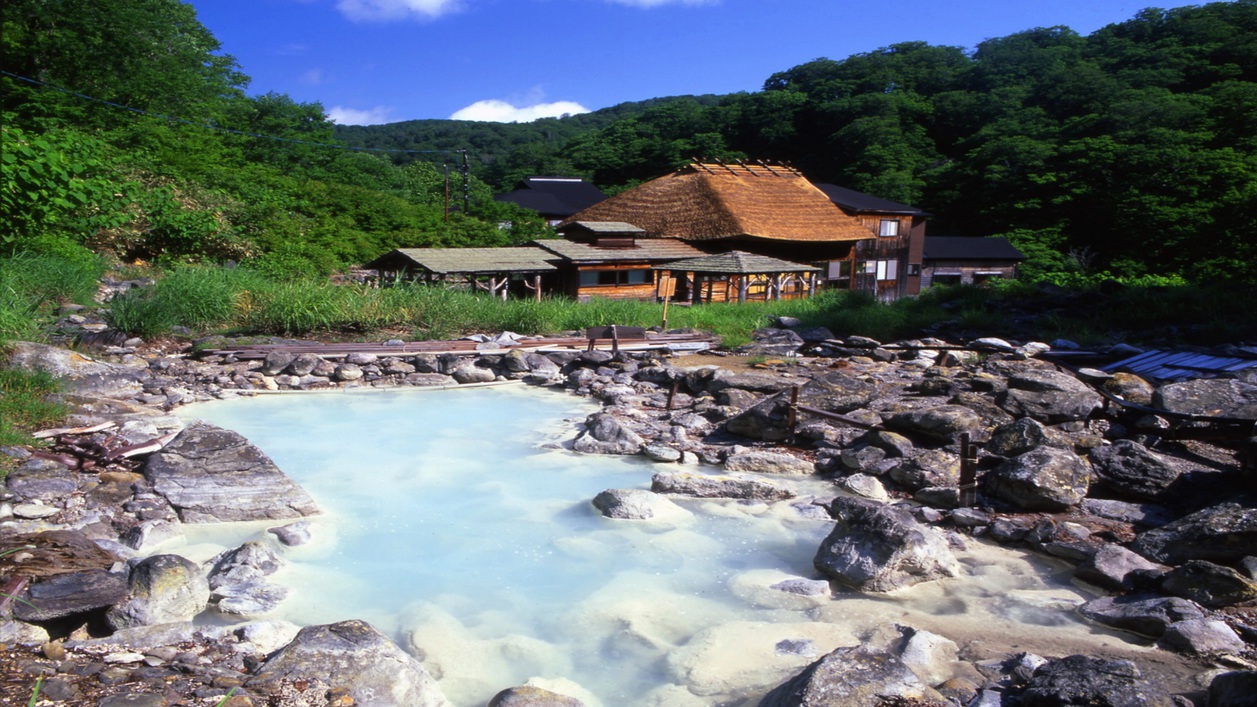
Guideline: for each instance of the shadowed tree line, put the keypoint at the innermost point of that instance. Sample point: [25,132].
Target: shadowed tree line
[1131,149]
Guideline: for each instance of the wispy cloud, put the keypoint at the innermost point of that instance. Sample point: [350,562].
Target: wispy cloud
[291,49]
[385,10]
[660,3]
[313,77]
[503,112]
[353,116]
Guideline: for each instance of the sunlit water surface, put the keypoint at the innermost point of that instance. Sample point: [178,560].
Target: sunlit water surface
[456,522]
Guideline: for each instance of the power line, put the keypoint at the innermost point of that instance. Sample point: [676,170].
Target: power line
[219,128]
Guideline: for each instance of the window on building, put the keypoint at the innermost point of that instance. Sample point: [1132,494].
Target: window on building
[890,227]
[887,269]
[610,278]
[839,273]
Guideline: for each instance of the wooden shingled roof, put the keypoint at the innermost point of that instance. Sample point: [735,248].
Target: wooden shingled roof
[469,261]
[737,263]
[705,202]
[647,249]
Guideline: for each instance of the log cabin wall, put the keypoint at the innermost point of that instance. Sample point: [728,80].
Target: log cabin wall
[612,281]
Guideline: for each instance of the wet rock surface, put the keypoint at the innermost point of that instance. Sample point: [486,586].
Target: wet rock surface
[1162,523]
[212,475]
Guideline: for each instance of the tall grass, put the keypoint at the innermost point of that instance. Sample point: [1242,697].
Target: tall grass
[245,302]
[33,284]
[25,406]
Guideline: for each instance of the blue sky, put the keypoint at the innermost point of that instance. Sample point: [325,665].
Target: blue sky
[384,61]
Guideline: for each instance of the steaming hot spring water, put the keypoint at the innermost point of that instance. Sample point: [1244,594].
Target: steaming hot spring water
[457,523]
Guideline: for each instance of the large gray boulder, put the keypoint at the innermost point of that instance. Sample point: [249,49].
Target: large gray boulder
[1209,396]
[213,475]
[1202,637]
[768,462]
[853,677]
[1225,534]
[354,656]
[70,594]
[1209,584]
[879,548]
[1096,682]
[1233,689]
[1049,396]
[1142,614]
[237,580]
[43,480]
[163,589]
[532,696]
[1116,568]
[79,374]
[929,468]
[1132,470]
[942,423]
[719,486]
[637,504]
[1018,437]
[604,433]
[1045,479]
[834,392]
[470,372]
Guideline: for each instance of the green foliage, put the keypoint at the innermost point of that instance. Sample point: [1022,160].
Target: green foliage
[1131,151]
[33,283]
[25,405]
[57,181]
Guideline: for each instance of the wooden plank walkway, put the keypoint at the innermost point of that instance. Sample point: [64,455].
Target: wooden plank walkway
[460,346]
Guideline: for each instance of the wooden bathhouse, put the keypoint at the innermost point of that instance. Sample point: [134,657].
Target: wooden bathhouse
[707,232]
[765,210]
[612,260]
[896,254]
[967,260]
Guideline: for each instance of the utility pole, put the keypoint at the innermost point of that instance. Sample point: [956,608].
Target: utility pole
[466,183]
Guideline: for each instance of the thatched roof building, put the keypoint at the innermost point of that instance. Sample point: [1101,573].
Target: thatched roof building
[714,202]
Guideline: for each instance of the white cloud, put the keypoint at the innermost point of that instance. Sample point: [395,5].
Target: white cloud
[384,10]
[313,77]
[352,116]
[503,112]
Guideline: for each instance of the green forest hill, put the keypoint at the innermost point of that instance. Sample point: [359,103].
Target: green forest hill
[1132,150]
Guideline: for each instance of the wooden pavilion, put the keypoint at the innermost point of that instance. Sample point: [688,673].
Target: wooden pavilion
[520,270]
[741,277]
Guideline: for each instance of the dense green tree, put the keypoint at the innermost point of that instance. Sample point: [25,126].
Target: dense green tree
[148,55]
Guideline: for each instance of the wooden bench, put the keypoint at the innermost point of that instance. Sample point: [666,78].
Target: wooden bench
[615,333]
